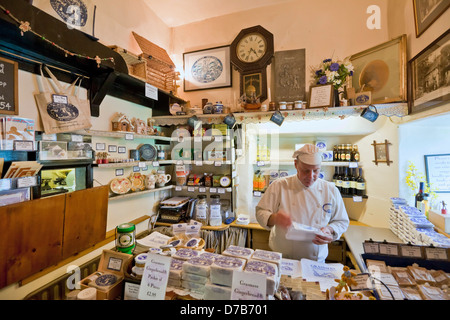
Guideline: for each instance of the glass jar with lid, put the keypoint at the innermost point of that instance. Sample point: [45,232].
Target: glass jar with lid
[282,105]
[202,210]
[215,216]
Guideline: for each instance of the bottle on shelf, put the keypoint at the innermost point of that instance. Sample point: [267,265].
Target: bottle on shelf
[353,182]
[354,157]
[335,153]
[339,180]
[360,184]
[256,181]
[346,183]
[215,215]
[419,195]
[348,151]
[161,154]
[202,210]
[342,153]
[335,175]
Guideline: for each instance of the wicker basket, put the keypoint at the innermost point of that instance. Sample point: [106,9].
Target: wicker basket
[161,74]
[137,66]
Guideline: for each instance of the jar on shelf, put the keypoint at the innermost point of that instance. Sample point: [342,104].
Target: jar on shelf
[202,210]
[282,105]
[289,105]
[298,105]
[215,216]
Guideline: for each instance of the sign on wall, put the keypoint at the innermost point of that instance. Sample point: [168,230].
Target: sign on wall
[9,96]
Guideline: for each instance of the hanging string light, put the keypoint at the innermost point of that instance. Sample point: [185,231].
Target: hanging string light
[24,26]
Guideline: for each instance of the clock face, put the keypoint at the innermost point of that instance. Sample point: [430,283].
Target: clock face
[251,48]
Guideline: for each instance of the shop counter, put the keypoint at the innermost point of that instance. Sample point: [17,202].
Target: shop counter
[357,234]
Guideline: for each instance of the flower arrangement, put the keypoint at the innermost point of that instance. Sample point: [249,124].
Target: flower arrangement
[414,177]
[333,72]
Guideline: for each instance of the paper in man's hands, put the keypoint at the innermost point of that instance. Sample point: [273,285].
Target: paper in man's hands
[302,232]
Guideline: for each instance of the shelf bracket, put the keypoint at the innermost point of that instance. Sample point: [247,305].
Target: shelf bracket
[98,90]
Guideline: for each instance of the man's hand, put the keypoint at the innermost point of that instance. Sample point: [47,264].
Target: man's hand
[281,219]
[326,238]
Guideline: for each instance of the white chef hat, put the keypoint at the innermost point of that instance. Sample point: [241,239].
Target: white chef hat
[309,154]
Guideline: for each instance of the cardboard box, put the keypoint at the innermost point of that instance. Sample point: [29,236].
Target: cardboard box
[111,263]
[442,221]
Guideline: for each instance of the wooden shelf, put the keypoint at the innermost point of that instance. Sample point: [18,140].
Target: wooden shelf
[324,163]
[217,228]
[138,193]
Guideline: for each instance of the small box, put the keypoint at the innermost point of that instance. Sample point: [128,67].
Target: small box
[112,265]
[442,221]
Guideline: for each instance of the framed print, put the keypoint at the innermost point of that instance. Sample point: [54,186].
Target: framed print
[437,167]
[429,80]
[321,96]
[382,70]
[254,82]
[207,69]
[381,151]
[426,12]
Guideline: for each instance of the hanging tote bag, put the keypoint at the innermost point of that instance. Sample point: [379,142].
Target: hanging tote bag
[60,109]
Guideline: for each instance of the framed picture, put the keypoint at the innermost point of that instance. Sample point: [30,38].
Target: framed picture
[321,96]
[429,80]
[438,172]
[254,81]
[207,69]
[381,151]
[382,70]
[426,12]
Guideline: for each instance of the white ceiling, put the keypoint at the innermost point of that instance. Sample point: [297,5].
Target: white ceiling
[175,13]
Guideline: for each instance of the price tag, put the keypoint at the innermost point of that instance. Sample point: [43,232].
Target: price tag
[353,164]
[257,193]
[411,251]
[23,145]
[389,249]
[178,188]
[228,189]
[260,164]
[26,182]
[119,172]
[191,189]
[179,162]
[155,277]
[201,189]
[142,165]
[198,163]
[155,163]
[218,138]
[436,253]
[363,282]
[357,199]
[218,163]
[221,190]
[129,136]
[213,190]
[371,247]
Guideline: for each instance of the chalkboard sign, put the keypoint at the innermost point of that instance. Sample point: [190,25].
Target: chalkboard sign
[438,172]
[8,87]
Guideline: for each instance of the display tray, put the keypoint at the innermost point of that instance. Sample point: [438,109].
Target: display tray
[405,261]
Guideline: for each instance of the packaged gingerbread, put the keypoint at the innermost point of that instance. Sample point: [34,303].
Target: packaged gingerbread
[440,277]
[421,275]
[402,276]
[431,293]
[411,293]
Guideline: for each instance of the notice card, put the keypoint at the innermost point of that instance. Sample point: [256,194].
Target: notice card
[155,277]
[248,286]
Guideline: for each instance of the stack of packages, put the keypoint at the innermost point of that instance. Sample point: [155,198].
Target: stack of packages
[411,282]
[211,274]
[411,225]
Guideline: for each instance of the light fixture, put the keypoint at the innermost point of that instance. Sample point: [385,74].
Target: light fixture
[369,114]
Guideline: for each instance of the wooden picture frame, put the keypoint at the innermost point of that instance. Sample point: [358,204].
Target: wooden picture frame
[425,14]
[258,79]
[207,69]
[321,96]
[8,69]
[381,151]
[428,86]
[437,167]
[382,70]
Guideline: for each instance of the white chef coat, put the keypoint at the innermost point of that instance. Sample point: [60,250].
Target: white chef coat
[317,206]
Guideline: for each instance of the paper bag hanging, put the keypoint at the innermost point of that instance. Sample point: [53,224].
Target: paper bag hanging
[60,109]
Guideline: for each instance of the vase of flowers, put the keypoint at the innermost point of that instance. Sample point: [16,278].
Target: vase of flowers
[333,72]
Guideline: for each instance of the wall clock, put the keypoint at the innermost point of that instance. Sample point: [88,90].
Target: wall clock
[250,53]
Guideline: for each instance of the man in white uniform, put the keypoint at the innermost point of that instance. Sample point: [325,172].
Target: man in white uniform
[305,199]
